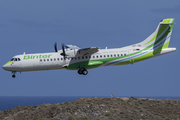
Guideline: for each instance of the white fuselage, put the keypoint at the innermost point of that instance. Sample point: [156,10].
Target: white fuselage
[53,60]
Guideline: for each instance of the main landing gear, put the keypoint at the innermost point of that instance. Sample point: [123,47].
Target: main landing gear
[82,71]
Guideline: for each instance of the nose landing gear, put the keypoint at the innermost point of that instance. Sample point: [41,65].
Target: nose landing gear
[82,71]
[14,74]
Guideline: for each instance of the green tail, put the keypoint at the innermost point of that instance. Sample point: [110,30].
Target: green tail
[160,38]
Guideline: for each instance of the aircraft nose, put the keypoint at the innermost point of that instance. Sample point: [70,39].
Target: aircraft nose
[5,67]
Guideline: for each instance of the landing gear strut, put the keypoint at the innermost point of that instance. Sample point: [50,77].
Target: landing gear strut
[82,71]
[14,74]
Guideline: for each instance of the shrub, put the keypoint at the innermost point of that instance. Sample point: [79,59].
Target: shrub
[71,118]
[68,108]
[40,119]
[121,112]
[84,118]
[143,100]
[108,114]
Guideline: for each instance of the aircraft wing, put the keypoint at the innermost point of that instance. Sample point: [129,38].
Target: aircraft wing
[74,51]
[86,51]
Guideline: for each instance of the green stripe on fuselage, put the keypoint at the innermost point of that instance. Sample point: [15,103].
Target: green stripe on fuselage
[151,54]
[92,63]
[10,62]
[99,62]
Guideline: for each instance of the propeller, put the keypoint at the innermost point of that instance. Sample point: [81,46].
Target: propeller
[63,53]
[55,47]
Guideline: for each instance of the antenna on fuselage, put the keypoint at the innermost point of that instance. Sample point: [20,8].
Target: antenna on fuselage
[24,53]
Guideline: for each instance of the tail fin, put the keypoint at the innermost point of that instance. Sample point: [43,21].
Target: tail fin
[160,38]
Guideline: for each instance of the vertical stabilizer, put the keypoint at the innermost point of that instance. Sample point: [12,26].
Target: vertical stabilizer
[160,38]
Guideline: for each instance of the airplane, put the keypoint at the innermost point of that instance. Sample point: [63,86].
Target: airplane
[72,57]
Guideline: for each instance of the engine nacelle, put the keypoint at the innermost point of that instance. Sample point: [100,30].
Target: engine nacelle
[71,53]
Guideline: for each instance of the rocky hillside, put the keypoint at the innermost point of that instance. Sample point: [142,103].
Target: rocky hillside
[98,109]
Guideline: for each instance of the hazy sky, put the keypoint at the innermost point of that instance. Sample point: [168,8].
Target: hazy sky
[34,26]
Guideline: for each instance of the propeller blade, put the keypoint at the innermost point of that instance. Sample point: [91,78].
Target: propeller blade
[63,48]
[63,53]
[55,46]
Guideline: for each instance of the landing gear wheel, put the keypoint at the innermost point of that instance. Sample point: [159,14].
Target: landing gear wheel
[82,71]
[13,76]
[85,72]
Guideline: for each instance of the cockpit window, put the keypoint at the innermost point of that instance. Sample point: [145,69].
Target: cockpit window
[12,59]
[15,59]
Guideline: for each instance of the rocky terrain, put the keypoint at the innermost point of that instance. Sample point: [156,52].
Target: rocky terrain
[113,108]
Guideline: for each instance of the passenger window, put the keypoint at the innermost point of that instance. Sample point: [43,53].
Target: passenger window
[121,54]
[75,58]
[44,60]
[124,54]
[40,60]
[51,59]
[47,59]
[101,56]
[89,56]
[61,58]
[96,56]
[107,55]
[104,55]
[82,57]
[78,57]
[86,57]
[54,59]
[93,57]
[114,55]
[58,59]
[71,58]
[111,55]
[118,55]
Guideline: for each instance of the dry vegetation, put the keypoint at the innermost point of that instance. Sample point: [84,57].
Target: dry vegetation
[98,109]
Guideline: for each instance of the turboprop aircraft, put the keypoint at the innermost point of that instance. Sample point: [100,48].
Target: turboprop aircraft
[74,58]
